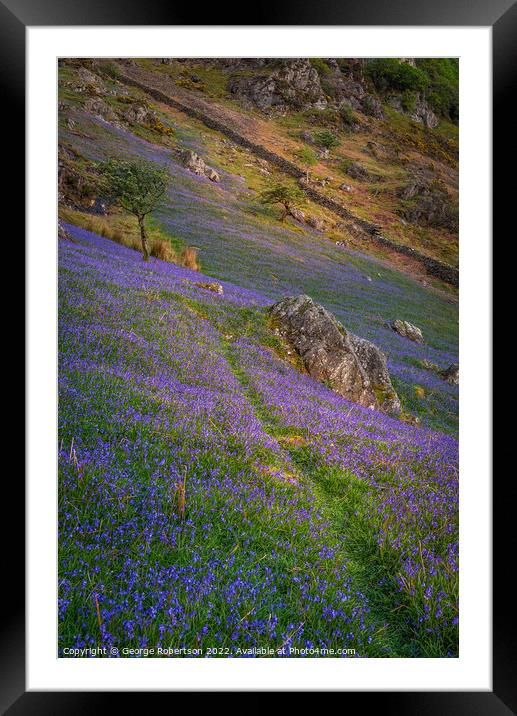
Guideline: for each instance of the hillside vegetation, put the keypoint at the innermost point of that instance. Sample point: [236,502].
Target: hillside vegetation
[211,494]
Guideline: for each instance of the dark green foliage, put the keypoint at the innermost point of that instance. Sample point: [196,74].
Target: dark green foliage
[436,78]
[389,74]
[288,195]
[136,186]
[326,139]
[320,65]
[443,85]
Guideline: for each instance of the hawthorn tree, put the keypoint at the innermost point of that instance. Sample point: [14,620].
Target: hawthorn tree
[136,186]
[288,195]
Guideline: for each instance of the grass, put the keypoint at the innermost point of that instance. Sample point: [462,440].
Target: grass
[192,514]
[350,504]
[210,493]
[123,229]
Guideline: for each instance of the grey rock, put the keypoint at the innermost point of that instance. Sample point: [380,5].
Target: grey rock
[407,330]
[297,214]
[420,112]
[138,114]
[315,222]
[358,171]
[428,204]
[307,137]
[100,108]
[194,163]
[423,113]
[349,365]
[89,82]
[281,84]
[372,107]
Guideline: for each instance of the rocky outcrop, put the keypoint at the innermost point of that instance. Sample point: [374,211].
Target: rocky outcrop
[281,84]
[434,267]
[428,204]
[195,164]
[419,112]
[358,171]
[452,374]
[100,108]
[297,214]
[139,114]
[315,222]
[407,330]
[349,365]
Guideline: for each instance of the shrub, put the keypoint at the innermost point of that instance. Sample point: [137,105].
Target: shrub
[320,65]
[443,79]
[389,74]
[326,139]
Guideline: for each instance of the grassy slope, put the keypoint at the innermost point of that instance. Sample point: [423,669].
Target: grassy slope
[306,520]
[293,528]
[241,241]
[402,147]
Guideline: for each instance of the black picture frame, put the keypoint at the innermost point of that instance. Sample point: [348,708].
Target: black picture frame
[501,15]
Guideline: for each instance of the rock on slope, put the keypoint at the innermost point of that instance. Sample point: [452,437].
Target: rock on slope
[352,366]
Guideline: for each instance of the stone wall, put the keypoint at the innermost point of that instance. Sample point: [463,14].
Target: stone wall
[436,268]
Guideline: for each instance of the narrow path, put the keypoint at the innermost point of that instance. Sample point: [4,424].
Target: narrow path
[344,511]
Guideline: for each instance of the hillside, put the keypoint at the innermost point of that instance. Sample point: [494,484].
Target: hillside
[211,493]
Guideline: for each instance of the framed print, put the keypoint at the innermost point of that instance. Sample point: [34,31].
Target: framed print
[257,255]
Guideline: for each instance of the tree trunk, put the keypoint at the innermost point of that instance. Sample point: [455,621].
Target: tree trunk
[143,237]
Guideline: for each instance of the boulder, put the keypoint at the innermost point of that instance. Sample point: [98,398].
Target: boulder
[358,171]
[195,164]
[407,330]
[372,107]
[297,214]
[315,222]
[212,174]
[100,108]
[349,365]
[452,374]
[307,137]
[138,114]
[89,82]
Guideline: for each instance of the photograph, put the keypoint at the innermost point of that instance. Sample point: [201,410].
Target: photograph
[258,357]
